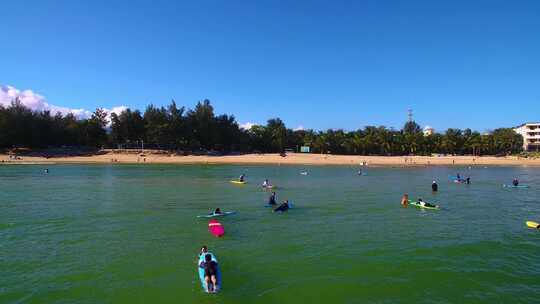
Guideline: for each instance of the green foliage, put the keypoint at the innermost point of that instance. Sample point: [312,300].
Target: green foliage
[172,128]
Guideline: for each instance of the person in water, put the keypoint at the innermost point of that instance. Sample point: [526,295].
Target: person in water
[405,200]
[283,207]
[46,171]
[204,250]
[210,272]
[359,172]
[272,199]
[424,204]
[515,182]
[218,211]
[468,180]
[458,176]
[241,178]
[434,186]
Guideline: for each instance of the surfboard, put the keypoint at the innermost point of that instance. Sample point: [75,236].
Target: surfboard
[216,214]
[238,182]
[512,186]
[424,207]
[216,228]
[532,224]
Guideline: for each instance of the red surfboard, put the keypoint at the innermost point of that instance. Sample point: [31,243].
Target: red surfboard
[216,228]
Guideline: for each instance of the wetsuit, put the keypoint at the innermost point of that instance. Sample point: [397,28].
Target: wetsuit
[515,182]
[210,269]
[272,200]
[282,207]
[434,187]
[468,180]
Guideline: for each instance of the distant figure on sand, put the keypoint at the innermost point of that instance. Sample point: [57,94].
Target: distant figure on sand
[434,186]
[283,207]
[515,182]
[272,199]
[405,200]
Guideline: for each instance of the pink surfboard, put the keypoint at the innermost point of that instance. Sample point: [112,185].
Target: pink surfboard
[216,228]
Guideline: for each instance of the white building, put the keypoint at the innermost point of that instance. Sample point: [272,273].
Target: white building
[531,135]
[428,131]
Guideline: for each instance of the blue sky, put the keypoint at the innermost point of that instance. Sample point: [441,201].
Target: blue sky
[319,64]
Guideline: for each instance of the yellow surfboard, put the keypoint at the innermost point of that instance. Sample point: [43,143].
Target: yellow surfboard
[238,182]
[532,224]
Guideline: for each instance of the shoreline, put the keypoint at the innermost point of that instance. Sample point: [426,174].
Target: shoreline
[276,159]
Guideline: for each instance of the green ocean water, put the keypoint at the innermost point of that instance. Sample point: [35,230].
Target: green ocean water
[129,234]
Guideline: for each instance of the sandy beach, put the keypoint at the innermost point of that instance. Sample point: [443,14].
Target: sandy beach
[276,159]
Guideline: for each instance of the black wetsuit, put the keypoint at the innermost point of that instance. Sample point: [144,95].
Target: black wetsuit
[210,269]
[434,187]
[272,200]
[515,182]
[282,207]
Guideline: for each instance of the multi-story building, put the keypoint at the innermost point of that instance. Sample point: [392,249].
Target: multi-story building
[531,135]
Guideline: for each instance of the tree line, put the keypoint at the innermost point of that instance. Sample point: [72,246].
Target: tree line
[200,129]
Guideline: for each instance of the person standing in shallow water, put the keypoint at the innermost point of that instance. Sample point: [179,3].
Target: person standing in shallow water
[405,200]
[434,186]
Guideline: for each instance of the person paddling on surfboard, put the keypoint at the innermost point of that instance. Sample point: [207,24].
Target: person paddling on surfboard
[272,199]
[210,272]
[515,182]
[283,207]
[424,204]
[405,200]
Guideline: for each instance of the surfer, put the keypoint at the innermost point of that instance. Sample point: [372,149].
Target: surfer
[405,200]
[424,204]
[434,186]
[272,199]
[241,178]
[283,207]
[218,211]
[46,171]
[359,172]
[210,272]
[515,182]
[458,177]
[204,250]
[468,180]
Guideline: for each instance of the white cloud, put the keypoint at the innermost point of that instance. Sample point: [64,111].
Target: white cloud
[36,102]
[299,128]
[247,125]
